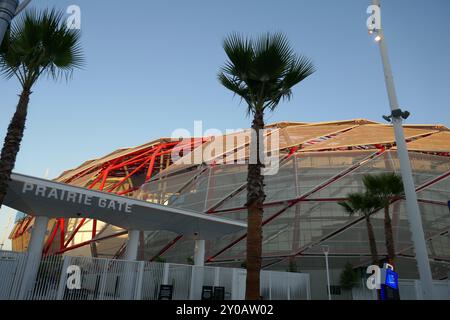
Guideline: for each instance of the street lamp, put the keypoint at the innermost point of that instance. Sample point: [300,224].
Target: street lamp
[326,250]
[396,117]
[8,10]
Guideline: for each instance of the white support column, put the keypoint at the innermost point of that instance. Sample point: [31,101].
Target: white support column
[199,253]
[35,246]
[132,245]
[165,279]
[129,275]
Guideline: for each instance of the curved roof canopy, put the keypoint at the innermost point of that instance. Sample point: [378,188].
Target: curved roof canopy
[57,200]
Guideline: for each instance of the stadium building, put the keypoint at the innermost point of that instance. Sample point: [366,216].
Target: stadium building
[319,164]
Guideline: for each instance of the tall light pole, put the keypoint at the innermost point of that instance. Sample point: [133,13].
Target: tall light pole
[397,116]
[8,10]
[326,250]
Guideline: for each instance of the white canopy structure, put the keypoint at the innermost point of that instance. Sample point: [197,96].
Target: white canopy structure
[40,197]
[46,199]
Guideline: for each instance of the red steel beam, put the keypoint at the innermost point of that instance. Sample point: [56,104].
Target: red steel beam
[18,228]
[80,224]
[144,155]
[61,233]
[52,236]
[395,200]
[151,165]
[292,203]
[127,191]
[166,247]
[82,244]
[24,227]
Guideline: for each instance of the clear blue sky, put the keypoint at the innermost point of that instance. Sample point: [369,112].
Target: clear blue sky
[152,69]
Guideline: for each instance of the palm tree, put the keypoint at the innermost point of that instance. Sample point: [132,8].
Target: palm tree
[385,187]
[364,204]
[262,72]
[38,43]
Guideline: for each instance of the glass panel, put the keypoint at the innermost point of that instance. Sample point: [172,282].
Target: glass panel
[161,190]
[311,169]
[425,167]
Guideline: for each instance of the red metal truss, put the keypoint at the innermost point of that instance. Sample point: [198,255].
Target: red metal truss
[343,228]
[148,161]
[304,196]
[335,233]
[23,226]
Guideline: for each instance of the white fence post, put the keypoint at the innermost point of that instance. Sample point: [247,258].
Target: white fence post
[103,279]
[193,282]
[308,287]
[63,278]
[216,277]
[165,279]
[418,289]
[270,286]
[35,246]
[289,287]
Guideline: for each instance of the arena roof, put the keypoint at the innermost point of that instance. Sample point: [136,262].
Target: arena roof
[320,163]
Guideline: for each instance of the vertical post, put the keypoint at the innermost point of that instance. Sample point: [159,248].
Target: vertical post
[328,277]
[216,276]
[288,287]
[270,285]
[193,283]
[235,285]
[165,279]
[7,12]
[35,247]
[139,281]
[412,207]
[103,280]
[129,274]
[63,278]
[132,245]
[199,253]
[326,250]
[308,287]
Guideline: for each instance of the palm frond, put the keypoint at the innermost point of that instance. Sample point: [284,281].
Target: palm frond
[40,43]
[262,72]
[347,207]
[384,185]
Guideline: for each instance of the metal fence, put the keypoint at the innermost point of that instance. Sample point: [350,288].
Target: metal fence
[408,290]
[12,267]
[106,279]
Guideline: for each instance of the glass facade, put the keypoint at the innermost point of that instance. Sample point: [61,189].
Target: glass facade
[319,165]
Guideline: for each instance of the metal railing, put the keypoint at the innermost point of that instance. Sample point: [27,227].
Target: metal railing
[409,289]
[85,278]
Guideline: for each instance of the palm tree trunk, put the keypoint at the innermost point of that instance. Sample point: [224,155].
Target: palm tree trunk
[255,200]
[389,235]
[12,142]
[372,242]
